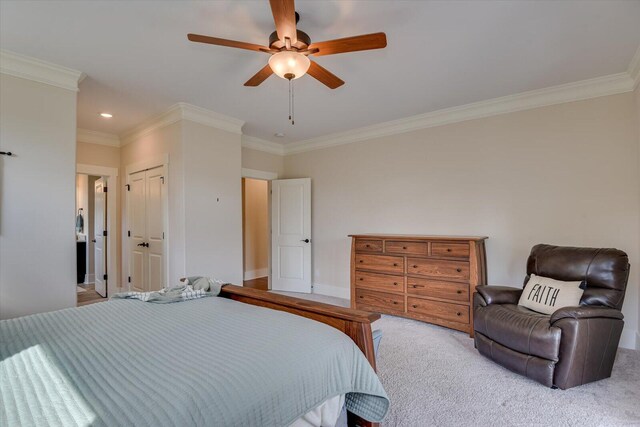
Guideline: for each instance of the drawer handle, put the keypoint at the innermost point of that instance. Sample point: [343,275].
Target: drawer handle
[395,283]
[368,246]
[458,270]
[404,247]
[418,286]
[360,296]
[458,314]
[414,306]
[415,266]
[361,261]
[457,292]
[395,302]
[448,249]
[395,264]
[363,279]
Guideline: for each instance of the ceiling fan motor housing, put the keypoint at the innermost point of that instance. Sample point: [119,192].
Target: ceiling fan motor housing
[303,41]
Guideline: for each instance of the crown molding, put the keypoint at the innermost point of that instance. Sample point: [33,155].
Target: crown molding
[95,137]
[262,145]
[210,118]
[172,115]
[26,67]
[576,91]
[634,68]
[183,111]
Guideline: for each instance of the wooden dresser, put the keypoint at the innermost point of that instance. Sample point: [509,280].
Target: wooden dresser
[428,278]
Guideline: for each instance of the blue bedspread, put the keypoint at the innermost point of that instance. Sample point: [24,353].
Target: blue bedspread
[206,362]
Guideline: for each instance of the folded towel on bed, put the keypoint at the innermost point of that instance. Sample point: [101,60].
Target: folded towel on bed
[195,287]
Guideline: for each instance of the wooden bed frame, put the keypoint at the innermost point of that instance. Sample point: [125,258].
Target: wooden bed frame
[355,323]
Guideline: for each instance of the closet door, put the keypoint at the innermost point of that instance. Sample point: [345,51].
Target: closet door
[138,231]
[155,229]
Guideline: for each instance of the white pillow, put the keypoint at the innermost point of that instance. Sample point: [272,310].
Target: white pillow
[546,295]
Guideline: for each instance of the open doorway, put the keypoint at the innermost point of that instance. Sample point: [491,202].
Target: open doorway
[255,232]
[91,246]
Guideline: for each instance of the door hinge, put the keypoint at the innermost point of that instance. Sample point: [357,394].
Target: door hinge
[163,235]
[128,233]
[105,189]
[105,277]
[129,279]
[104,233]
[128,187]
[162,178]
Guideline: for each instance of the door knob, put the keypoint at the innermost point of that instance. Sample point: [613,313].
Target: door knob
[142,244]
[305,240]
[93,240]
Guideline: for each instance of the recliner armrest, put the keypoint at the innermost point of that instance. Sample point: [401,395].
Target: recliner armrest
[586,312]
[499,294]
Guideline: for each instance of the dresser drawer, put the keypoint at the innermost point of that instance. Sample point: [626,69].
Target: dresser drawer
[438,268]
[441,310]
[379,282]
[366,245]
[389,264]
[379,301]
[438,289]
[458,250]
[411,248]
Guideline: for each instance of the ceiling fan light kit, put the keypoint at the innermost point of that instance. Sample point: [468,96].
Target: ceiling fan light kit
[289,64]
[290,49]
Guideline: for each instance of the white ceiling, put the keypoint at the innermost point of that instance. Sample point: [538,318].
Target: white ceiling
[440,54]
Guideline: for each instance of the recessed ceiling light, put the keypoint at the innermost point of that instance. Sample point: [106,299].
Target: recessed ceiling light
[279,135]
[106,115]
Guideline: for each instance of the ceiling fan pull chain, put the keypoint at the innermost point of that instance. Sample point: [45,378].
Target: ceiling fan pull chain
[289,99]
[293,115]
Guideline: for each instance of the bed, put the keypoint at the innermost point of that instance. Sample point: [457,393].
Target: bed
[245,358]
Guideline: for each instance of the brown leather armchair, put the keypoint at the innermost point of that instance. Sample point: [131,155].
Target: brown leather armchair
[574,345]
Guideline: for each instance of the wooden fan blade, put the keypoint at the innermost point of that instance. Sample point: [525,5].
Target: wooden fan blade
[260,76]
[224,42]
[323,75]
[284,15]
[350,44]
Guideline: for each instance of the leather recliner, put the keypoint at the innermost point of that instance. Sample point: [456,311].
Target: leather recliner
[572,346]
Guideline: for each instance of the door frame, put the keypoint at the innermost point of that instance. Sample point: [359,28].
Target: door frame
[150,163]
[111,178]
[263,176]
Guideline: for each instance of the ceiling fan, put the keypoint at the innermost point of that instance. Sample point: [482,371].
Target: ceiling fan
[290,48]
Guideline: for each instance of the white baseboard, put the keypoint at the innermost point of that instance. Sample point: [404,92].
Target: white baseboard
[254,274]
[89,279]
[630,339]
[332,291]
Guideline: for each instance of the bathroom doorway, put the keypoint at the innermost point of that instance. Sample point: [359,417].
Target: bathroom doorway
[90,242]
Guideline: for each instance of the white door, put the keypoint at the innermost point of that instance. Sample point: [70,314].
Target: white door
[137,231]
[291,235]
[155,230]
[99,242]
[146,230]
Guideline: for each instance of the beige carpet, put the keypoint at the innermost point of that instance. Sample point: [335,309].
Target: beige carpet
[435,377]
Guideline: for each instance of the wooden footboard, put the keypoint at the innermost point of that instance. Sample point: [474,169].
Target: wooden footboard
[355,323]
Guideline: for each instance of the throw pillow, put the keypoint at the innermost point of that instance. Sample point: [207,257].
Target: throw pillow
[546,295]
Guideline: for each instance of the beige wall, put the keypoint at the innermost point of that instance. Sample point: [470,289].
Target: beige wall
[213,202]
[204,197]
[37,213]
[100,155]
[259,160]
[565,174]
[256,228]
